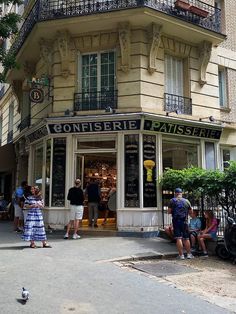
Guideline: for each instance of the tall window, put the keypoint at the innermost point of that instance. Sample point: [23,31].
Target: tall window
[98,79]
[210,156]
[225,158]
[10,123]
[174,75]
[222,88]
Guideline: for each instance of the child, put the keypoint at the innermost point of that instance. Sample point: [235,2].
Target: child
[209,232]
[194,228]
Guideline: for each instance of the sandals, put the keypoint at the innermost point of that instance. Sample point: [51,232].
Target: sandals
[46,245]
[33,246]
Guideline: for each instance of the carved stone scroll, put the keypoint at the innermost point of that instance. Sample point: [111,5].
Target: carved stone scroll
[46,54]
[155,40]
[125,46]
[204,58]
[63,47]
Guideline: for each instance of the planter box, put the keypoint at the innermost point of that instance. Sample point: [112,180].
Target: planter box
[182,4]
[198,11]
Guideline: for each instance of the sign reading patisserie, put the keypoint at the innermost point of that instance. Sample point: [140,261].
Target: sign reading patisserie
[181,129]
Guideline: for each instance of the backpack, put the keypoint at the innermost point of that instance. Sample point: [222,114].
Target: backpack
[179,210]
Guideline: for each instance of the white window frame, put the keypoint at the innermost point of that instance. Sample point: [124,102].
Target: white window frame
[222,78]
[174,75]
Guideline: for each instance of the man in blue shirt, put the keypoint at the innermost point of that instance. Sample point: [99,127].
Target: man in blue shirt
[18,202]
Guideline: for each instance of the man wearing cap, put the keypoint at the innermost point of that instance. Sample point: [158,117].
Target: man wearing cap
[76,198]
[179,208]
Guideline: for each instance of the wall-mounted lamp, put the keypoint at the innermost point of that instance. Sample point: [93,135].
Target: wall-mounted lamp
[175,111]
[69,113]
[108,109]
[210,118]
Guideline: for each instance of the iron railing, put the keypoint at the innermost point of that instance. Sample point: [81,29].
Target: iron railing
[44,10]
[178,104]
[25,123]
[10,136]
[95,100]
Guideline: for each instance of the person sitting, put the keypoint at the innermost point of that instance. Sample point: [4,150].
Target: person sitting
[194,228]
[209,233]
[169,231]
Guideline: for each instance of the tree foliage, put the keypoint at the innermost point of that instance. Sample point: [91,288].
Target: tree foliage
[8,27]
[202,184]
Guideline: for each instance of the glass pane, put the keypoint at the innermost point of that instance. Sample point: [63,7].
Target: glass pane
[38,165]
[93,71]
[226,158]
[104,69]
[104,58]
[112,57]
[179,156]
[93,59]
[111,69]
[149,171]
[210,156]
[85,71]
[58,172]
[96,144]
[131,171]
[48,170]
[85,59]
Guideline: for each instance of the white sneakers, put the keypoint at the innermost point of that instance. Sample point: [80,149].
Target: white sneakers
[75,236]
[189,256]
[180,257]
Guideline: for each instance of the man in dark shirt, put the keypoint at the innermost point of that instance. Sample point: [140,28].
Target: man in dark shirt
[76,198]
[93,193]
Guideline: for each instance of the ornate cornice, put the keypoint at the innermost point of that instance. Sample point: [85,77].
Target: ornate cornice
[125,45]
[96,41]
[176,47]
[154,35]
[63,42]
[205,50]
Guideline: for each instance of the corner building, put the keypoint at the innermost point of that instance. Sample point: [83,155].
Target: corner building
[118,91]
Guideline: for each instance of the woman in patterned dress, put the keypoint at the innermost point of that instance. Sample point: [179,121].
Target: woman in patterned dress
[34,226]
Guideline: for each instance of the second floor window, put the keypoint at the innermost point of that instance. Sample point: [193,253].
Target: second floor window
[174,69]
[222,88]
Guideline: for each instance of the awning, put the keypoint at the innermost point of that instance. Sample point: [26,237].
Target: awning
[7,158]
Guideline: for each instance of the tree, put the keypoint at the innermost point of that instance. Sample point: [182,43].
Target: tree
[8,27]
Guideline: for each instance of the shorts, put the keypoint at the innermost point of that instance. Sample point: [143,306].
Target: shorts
[194,233]
[18,211]
[180,229]
[76,212]
[213,235]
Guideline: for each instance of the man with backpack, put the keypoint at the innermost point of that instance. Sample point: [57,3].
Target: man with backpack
[179,208]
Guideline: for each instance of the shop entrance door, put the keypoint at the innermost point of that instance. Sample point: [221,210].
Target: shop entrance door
[101,167]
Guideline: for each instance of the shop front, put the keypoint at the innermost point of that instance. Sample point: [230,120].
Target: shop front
[128,152]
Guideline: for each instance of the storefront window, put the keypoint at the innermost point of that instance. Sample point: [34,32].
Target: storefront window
[178,155]
[38,165]
[48,169]
[226,158]
[210,156]
[132,170]
[149,171]
[59,172]
[96,144]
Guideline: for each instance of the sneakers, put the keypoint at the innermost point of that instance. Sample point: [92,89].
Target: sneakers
[66,236]
[76,236]
[190,256]
[180,257]
[204,254]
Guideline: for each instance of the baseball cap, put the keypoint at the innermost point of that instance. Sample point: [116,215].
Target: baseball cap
[178,190]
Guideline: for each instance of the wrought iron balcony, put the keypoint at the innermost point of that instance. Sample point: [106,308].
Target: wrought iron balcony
[180,104]
[95,100]
[25,123]
[10,136]
[198,13]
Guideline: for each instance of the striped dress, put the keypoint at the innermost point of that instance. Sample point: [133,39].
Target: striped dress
[34,226]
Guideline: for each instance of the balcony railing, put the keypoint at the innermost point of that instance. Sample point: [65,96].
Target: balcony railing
[25,123]
[44,10]
[180,104]
[95,100]
[10,136]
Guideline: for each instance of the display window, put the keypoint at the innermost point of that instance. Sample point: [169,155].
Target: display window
[38,166]
[210,156]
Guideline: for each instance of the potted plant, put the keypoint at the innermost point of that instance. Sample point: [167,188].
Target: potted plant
[198,11]
[182,5]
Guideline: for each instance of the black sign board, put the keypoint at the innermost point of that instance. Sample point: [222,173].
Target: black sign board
[149,171]
[36,95]
[132,170]
[180,129]
[99,126]
[38,134]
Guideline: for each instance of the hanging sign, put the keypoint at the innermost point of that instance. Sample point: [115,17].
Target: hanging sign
[36,95]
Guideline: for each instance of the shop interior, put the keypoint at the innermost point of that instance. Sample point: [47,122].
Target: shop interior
[102,168]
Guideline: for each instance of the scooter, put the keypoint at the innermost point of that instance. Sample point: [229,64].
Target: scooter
[226,249]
